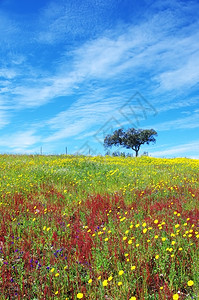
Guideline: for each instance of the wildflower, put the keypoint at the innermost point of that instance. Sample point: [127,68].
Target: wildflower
[163,239]
[57,275]
[148,241]
[157,256]
[137,225]
[190,283]
[144,230]
[144,224]
[131,226]
[80,296]
[156,221]
[52,270]
[90,281]
[137,245]
[119,283]
[133,268]
[161,288]
[124,238]
[180,249]
[175,297]
[105,283]
[110,278]
[132,298]
[56,292]
[99,277]
[173,243]
[177,225]
[121,272]
[156,236]
[106,239]
[130,242]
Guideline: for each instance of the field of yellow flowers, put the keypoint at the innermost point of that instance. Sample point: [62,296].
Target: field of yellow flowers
[75,227]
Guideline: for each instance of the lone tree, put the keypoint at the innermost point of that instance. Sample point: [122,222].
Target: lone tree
[132,138]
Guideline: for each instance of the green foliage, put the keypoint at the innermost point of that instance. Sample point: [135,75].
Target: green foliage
[131,139]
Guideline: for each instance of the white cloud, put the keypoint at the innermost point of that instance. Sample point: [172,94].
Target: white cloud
[180,150]
[189,122]
[20,140]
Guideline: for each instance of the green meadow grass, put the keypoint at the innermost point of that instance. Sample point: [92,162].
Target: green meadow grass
[75,227]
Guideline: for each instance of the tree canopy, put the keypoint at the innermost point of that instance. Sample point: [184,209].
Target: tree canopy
[132,138]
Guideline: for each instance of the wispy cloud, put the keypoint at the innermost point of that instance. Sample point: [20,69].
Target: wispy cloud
[189,122]
[180,150]
[22,139]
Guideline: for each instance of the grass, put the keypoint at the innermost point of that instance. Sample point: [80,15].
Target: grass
[75,227]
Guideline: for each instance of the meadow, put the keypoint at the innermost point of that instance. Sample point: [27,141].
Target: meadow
[75,227]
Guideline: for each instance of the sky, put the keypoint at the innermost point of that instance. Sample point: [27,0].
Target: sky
[72,72]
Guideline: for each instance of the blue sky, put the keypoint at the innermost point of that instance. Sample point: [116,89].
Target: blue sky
[73,71]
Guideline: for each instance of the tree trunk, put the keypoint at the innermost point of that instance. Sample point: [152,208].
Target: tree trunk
[136,153]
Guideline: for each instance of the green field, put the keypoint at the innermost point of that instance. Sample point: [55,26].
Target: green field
[75,227]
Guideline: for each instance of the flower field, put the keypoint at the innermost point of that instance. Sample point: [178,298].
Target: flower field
[75,227]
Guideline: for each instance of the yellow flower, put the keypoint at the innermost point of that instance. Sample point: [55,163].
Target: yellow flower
[144,224]
[90,281]
[133,268]
[130,242]
[173,243]
[137,245]
[132,298]
[80,296]
[124,238]
[57,275]
[157,256]
[163,239]
[56,292]
[121,272]
[99,277]
[156,236]
[144,230]
[190,283]
[105,283]
[110,278]
[106,239]
[161,288]
[148,241]
[156,221]
[175,297]
[137,225]
[119,283]
[177,225]
[52,270]
[180,249]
